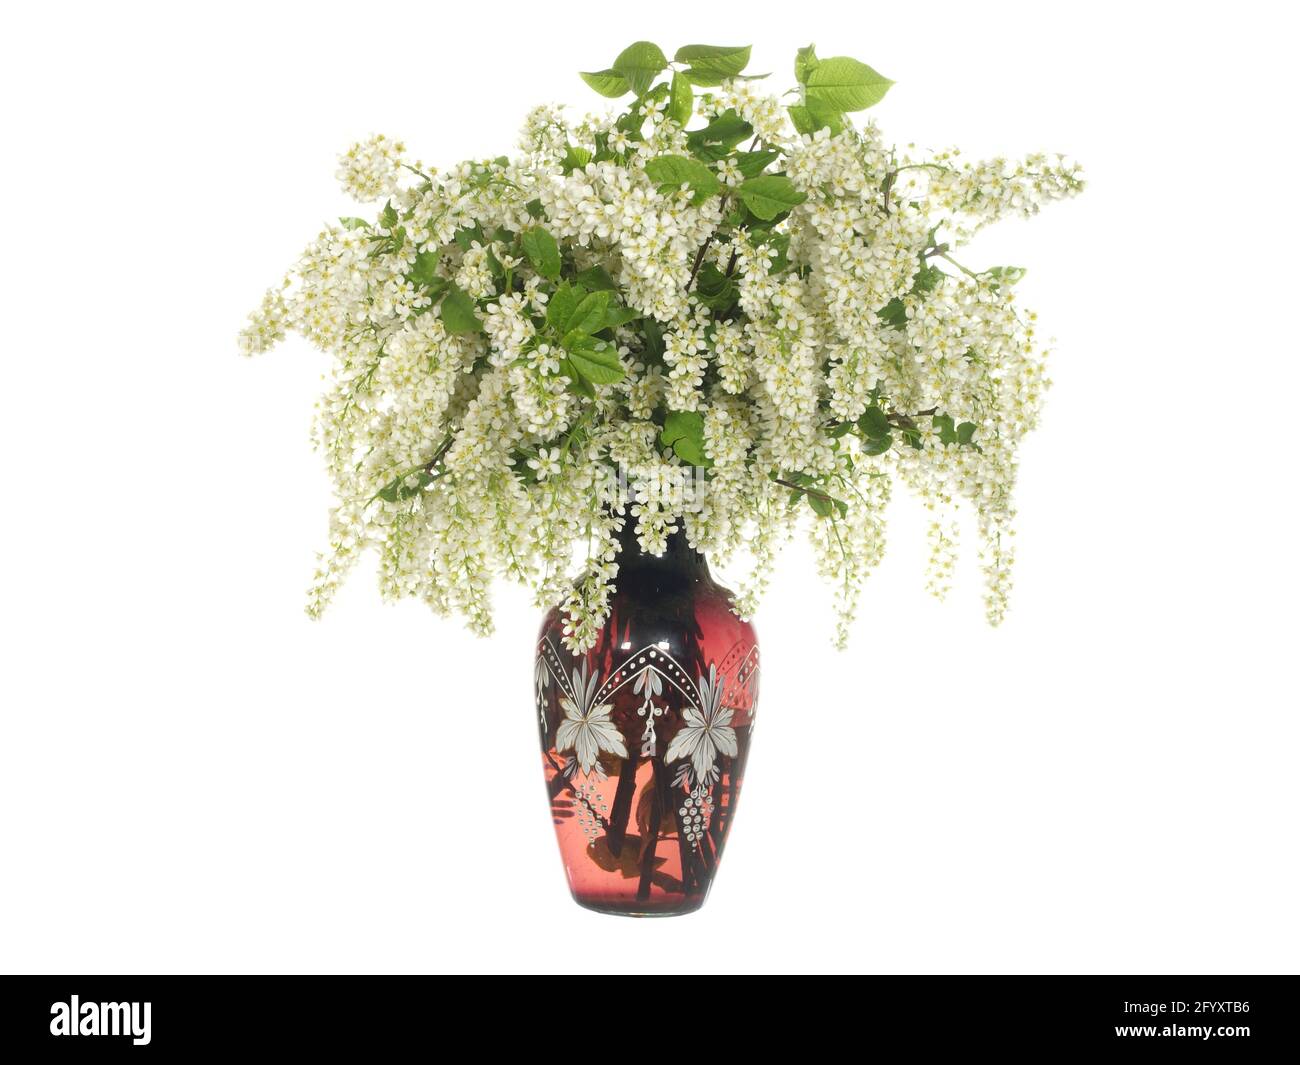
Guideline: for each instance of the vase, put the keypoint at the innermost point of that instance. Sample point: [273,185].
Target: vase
[645,736]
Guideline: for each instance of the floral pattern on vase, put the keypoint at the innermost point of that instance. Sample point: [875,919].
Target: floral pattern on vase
[645,737]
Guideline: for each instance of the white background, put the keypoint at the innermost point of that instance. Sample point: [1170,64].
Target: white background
[194,777]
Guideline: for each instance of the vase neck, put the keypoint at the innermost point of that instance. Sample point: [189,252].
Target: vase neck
[678,553]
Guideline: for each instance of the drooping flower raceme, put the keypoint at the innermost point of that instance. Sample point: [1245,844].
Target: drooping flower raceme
[706,311]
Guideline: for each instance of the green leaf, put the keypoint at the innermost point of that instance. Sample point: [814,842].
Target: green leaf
[874,423]
[458,314]
[542,251]
[597,362]
[807,120]
[894,313]
[1007,275]
[535,208]
[844,84]
[607,82]
[467,236]
[639,63]
[354,223]
[425,270]
[710,64]
[653,334]
[388,217]
[617,316]
[683,431]
[966,433]
[720,136]
[397,490]
[577,383]
[715,289]
[596,279]
[878,445]
[804,61]
[670,172]
[751,164]
[821,505]
[589,315]
[927,279]
[681,100]
[769,195]
[574,158]
[562,304]
[944,427]
[781,242]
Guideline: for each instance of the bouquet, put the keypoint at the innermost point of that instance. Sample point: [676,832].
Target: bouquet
[709,309]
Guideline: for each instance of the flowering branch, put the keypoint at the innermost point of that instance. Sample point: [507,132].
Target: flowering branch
[507,331]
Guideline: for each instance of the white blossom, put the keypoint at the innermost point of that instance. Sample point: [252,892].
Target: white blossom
[475,418]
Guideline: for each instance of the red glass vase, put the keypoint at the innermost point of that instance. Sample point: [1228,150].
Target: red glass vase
[645,737]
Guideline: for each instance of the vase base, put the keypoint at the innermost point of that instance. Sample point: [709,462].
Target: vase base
[635,909]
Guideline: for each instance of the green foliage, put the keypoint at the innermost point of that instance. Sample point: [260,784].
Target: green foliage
[716,290]
[683,432]
[681,99]
[575,159]
[804,61]
[595,279]
[397,490]
[588,316]
[927,279]
[780,243]
[719,137]
[894,313]
[874,422]
[808,119]
[710,64]
[596,360]
[670,172]
[607,82]
[425,270]
[458,313]
[577,315]
[949,433]
[770,195]
[1005,275]
[640,64]
[844,84]
[823,504]
[751,164]
[542,251]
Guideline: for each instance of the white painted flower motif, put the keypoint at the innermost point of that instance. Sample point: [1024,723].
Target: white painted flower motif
[587,729]
[707,732]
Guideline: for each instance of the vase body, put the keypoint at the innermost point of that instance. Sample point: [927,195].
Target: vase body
[645,736]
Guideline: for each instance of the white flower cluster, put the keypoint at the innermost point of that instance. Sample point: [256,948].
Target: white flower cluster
[368,170]
[769,338]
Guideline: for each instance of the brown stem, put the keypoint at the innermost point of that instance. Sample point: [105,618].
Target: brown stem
[801,488]
[443,448]
[699,255]
[651,841]
[904,421]
[622,808]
